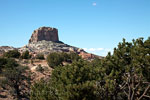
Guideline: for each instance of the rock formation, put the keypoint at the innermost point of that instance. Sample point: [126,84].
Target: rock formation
[45,40]
[89,56]
[47,47]
[44,33]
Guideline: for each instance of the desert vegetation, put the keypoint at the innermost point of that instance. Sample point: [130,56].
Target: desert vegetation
[40,56]
[26,55]
[123,75]
[12,54]
[56,59]
[14,78]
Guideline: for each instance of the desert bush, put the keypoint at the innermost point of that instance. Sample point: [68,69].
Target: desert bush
[42,91]
[15,78]
[54,59]
[3,62]
[65,57]
[77,81]
[40,56]
[74,56]
[12,54]
[26,55]
[127,71]
[123,75]
[71,82]
[7,63]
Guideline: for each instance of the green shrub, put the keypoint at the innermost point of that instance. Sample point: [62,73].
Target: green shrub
[3,62]
[40,56]
[26,55]
[14,78]
[12,54]
[42,91]
[74,56]
[54,59]
[7,63]
[11,63]
[77,81]
[123,75]
[65,57]
[71,82]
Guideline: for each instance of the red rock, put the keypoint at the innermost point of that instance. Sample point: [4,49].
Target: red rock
[45,33]
[89,56]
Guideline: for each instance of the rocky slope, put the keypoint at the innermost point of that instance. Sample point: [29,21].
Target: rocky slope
[47,47]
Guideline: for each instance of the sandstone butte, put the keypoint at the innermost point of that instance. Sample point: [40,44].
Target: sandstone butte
[45,33]
[46,40]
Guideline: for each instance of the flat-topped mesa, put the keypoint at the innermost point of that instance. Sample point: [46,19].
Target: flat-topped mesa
[44,33]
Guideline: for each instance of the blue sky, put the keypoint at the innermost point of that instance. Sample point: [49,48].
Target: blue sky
[95,25]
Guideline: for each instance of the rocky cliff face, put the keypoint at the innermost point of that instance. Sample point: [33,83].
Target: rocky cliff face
[44,33]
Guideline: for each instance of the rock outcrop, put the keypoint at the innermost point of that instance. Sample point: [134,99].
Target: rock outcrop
[47,47]
[89,56]
[44,33]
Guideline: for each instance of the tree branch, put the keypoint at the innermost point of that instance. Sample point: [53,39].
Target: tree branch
[144,92]
[147,96]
